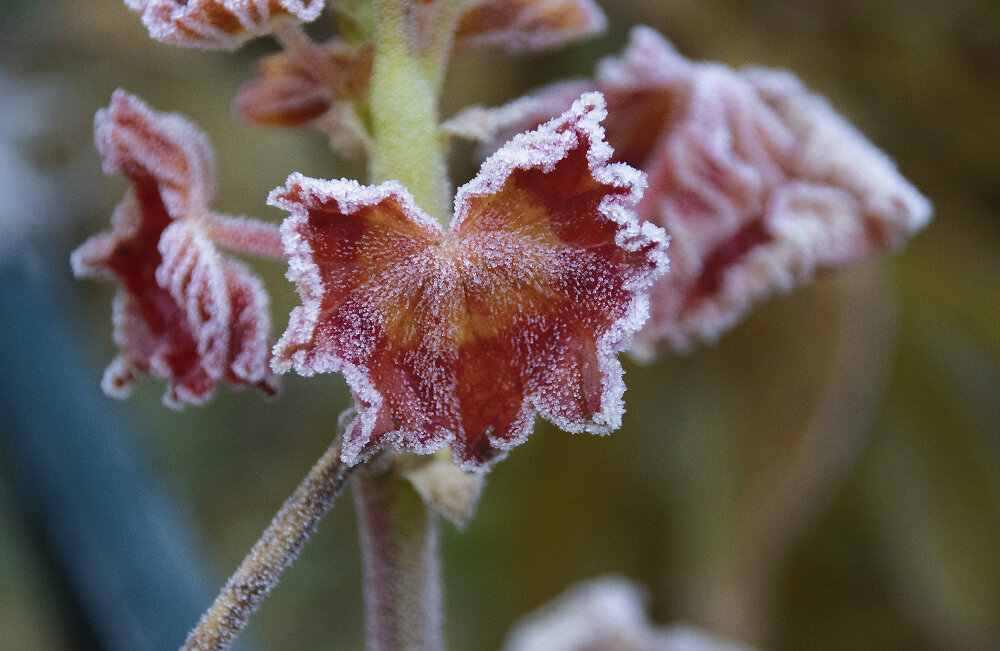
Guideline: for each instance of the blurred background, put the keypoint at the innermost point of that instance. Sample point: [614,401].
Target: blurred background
[826,477]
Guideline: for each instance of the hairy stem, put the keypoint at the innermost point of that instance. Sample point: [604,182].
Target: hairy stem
[245,235]
[402,575]
[398,532]
[274,552]
[406,146]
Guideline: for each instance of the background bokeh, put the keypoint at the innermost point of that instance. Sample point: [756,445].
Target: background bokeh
[826,477]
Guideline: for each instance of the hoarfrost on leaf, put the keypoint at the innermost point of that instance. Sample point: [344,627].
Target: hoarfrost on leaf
[460,337]
[758,182]
[483,124]
[218,24]
[183,311]
[527,25]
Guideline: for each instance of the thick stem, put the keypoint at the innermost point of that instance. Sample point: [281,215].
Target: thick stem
[398,531]
[274,552]
[399,553]
[406,146]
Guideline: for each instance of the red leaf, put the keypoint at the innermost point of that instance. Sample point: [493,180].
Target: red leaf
[218,24]
[460,337]
[528,25]
[288,92]
[758,183]
[183,311]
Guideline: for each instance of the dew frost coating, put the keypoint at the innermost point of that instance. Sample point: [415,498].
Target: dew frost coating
[218,24]
[183,311]
[460,337]
[289,91]
[527,25]
[758,183]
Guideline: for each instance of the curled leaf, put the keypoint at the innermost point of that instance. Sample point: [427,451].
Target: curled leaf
[758,182]
[527,25]
[460,337]
[287,93]
[218,24]
[761,184]
[183,311]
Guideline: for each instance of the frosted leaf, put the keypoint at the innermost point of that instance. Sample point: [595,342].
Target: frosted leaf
[761,184]
[605,613]
[183,311]
[757,182]
[459,338]
[160,153]
[483,124]
[288,92]
[527,25]
[218,24]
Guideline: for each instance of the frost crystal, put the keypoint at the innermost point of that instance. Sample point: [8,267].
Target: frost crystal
[758,183]
[460,337]
[183,311]
[218,24]
[528,25]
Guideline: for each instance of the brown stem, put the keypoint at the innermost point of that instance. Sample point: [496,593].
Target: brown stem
[401,569]
[274,552]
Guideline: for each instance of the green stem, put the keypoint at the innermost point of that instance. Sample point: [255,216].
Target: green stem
[405,143]
[398,531]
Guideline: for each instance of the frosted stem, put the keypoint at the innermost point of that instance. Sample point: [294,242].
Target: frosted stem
[245,235]
[274,552]
[398,532]
[401,569]
[405,145]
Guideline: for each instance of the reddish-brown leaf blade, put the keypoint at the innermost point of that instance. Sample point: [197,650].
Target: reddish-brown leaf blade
[218,24]
[459,338]
[183,311]
[527,25]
